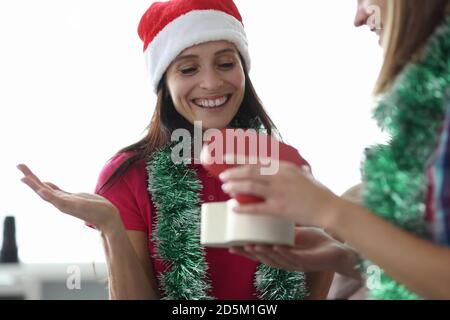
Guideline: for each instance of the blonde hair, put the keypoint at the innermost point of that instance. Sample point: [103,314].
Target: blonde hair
[408,26]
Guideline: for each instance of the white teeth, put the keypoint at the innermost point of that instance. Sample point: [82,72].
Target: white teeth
[211,103]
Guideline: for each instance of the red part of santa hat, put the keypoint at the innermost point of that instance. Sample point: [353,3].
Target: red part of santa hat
[168,28]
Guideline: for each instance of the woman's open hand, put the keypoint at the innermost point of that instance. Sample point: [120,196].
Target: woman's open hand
[314,251]
[93,209]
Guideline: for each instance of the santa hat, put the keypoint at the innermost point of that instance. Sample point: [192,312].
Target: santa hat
[168,28]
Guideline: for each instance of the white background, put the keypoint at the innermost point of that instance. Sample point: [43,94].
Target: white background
[73,90]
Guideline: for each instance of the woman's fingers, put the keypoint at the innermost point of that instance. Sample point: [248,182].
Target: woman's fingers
[28,173]
[296,258]
[308,237]
[286,258]
[250,249]
[268,256]
[35,186]
[48,191]
[244,172]
[314,251]
[91,208]
[44,190]
[55,197]
[263,208]
[31,180]
[54,187]
[249,187]
[25,170]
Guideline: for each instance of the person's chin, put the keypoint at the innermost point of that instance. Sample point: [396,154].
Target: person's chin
[214,125]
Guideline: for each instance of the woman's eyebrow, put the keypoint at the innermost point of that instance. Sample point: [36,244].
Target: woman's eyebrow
[193,56]
[190,56]
[227,50]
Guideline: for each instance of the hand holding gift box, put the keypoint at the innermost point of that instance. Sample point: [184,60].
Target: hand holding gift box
[220,226]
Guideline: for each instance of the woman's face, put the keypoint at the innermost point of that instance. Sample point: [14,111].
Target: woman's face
[373,14]
[207,83]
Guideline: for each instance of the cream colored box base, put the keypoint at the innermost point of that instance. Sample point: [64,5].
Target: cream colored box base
[223,228]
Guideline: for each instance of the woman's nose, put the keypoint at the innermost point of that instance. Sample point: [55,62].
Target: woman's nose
[211,80]
[361,16]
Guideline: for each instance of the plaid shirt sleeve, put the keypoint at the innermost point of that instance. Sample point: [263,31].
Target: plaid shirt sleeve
[438,197]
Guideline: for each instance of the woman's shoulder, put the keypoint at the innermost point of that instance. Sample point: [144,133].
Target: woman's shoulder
[124,185]
[130,172]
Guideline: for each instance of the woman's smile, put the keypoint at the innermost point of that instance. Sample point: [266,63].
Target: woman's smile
[216,102]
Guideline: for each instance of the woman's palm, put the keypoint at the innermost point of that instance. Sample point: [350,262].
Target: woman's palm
[91,208]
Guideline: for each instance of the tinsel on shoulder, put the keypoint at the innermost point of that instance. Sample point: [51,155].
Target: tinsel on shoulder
[412,112]
[175,191]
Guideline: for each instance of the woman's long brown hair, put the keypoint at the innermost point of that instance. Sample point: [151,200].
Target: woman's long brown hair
[166,119]
[409,25]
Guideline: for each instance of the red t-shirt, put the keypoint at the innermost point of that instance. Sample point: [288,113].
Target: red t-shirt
[231,276]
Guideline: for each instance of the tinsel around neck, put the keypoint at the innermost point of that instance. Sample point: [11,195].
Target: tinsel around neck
[394,175]
[175,189]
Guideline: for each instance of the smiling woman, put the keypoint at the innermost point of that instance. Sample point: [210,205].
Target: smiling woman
[207,83]
[83,93]
[148,208]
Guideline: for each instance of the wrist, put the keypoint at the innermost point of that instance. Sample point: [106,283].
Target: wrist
[330,214]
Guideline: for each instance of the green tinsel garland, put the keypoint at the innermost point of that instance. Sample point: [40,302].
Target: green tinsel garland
[175,192]
[413,112]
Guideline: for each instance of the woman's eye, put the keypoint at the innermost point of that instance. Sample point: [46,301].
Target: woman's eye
[228,65]
[188,71]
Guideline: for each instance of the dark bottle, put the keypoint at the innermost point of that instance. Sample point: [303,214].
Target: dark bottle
[9,253]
